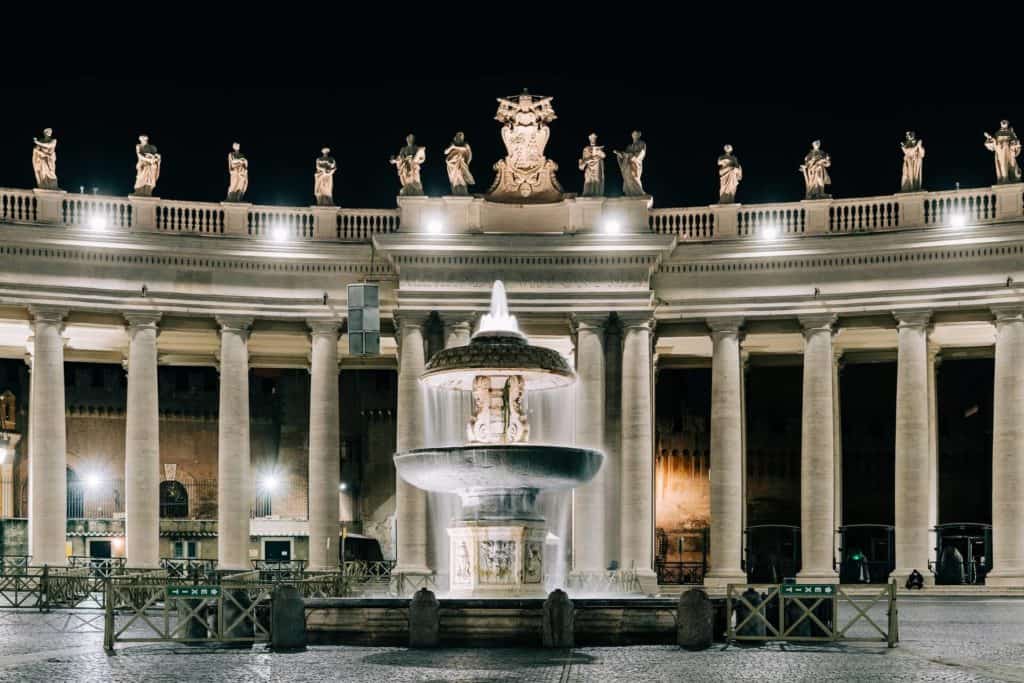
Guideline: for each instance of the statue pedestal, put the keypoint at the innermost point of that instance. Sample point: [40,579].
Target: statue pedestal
[503,559]
[50,204]
[536,185]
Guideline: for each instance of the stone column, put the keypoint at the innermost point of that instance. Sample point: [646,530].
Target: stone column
[588,501]
[48,460]
[612,441]
[817,453]
[912,446]
[637,531]
[457,333]
[234,481]
[324,446]
[142,444]
[727,469]
[1008,452]
[837,439]
[934,360]
[410,502]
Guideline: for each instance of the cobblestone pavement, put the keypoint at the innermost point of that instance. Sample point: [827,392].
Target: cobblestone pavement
[949,639]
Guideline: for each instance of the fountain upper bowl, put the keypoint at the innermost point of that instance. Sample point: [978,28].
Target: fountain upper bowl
[462,469]
[498,354]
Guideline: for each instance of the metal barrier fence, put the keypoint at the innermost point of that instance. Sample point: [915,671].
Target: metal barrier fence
[45,588]
[808,613]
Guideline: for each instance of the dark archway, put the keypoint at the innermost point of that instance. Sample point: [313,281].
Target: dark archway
[173,500]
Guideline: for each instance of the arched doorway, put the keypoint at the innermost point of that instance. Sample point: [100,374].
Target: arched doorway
[173,500]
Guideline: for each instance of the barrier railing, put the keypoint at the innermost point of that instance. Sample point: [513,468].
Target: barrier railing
[809,613]
[404,585]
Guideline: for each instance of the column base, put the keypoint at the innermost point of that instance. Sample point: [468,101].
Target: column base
[648,580]
[818,576]
[900,577]
[1010,579]
[721,579]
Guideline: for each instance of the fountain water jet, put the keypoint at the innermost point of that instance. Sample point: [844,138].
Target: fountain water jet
[496,548]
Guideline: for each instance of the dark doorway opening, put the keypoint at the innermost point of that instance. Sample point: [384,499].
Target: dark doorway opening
[277,551]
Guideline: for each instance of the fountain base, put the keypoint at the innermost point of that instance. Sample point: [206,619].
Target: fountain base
[497,560]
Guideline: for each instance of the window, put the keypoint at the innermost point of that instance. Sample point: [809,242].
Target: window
[186,550]
[173,500]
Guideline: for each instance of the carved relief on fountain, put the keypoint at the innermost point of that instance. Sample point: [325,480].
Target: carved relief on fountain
[506,560]
[498,414]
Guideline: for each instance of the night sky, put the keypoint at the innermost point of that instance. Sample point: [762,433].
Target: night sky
[688,96]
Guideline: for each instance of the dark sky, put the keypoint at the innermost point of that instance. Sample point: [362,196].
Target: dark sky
[768,94]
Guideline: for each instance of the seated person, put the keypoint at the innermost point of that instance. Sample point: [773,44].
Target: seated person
[915,580]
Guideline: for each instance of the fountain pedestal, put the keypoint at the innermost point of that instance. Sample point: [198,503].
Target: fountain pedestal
[497,560]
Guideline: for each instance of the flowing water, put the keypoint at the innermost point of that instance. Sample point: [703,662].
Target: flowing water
[551,419]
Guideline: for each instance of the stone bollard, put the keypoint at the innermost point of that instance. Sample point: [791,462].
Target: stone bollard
[236,626]
[756,625]
[197,628]
[695,619]
[424,619]
[559,620]
[287,619]
[721,620]
[793,614]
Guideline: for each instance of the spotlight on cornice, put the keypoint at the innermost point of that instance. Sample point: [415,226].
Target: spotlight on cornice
[97,222]
[279,232]
[612,226]
[769,231]
[435,227]
[957,220]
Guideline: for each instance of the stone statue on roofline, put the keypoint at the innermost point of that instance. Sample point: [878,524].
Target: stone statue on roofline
[730,173]
[323,178]
[408,162]
[238,173]
[44,160]
[913,162]
[815,172]
[1005,147]
[457,157]
[147,167]
[631,164]
[592,165]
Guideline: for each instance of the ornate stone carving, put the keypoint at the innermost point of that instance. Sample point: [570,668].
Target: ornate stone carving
[1005,146]
[323,178]
[533,563]
[408,162]
[730,173]
[913,163]
[815,172]
[147,167]
[238,172]
[463,570]
[498,414]
[631,164]
[44,160]
[525,175]
[457,157]
[592,165]
[496,562]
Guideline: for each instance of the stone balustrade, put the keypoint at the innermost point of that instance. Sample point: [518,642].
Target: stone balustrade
[687,224]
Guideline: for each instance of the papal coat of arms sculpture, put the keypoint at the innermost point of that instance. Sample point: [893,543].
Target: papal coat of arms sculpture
[525,175]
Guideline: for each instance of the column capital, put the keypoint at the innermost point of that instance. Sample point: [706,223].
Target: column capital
[912,318]
[724,325]
[933,352]
[818,322]
[588,321]
[236,324]
[142,319]
[42,313]
[329,327]
[637,321]
[1010,313]
[409,319]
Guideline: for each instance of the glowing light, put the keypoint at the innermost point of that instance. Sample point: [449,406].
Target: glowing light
[269,483]
[3,454]
[435,227]
[279,232]
[958,220]
[98,222]
[342,486]
[612,227]
[92,481]
[770,231]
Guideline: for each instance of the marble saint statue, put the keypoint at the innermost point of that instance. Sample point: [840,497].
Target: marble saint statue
[1006,148]
[592,165]
[457,157]
[730,173]
[238,171]
[44,160]
[815,171]
[323,178]
[408,162]
[147,167]
[913,163]
[631,163]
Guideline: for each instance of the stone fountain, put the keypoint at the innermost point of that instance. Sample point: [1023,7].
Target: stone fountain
[497,546]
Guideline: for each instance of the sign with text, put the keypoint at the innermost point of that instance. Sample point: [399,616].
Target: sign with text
[817,589]
[193,591]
